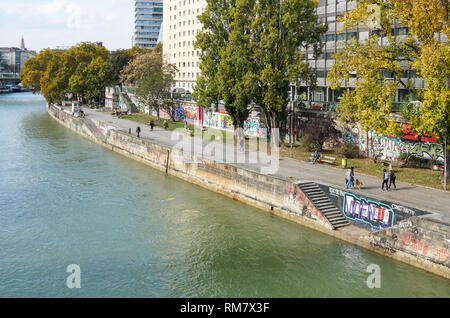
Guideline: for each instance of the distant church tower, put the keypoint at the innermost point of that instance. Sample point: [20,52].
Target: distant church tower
[22,44]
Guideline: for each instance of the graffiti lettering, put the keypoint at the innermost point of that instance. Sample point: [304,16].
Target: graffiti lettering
[442,255]
[391,148]
[403,209]
[376,214]
[412,243]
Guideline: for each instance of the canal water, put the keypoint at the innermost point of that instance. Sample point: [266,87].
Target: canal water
[135,232]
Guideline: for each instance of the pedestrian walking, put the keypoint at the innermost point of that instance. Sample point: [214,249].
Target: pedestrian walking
[152,125]
[242,143]
[166,125]
[350,179]
[392,178]
[138,131]
[385,180]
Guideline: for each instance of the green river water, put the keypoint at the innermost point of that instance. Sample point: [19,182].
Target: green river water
[135,232]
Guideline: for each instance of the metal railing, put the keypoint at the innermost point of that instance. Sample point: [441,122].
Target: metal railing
[10,75]
[397,107]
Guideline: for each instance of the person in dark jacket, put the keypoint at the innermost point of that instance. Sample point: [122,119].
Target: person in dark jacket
[392,178]
[138,131]
[152,125]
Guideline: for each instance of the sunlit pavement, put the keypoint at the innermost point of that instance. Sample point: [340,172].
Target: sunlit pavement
[423,198]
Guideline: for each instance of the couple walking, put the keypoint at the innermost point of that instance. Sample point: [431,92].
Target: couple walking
[389,180]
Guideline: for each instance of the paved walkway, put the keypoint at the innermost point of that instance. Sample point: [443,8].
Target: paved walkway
[409,195]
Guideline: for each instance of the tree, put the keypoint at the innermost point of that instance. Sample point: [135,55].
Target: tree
[320,129]
[35,68]
[422,50]
[120,58]
[82,70]
[280,29]
[92,80]
[54,82]
[216,23]
[250,54]
[153,79]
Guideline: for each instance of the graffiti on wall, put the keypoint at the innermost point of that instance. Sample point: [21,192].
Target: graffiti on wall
[391,148]
[218,120]
[370,213]
[253,126]
[376,214]
[188,113]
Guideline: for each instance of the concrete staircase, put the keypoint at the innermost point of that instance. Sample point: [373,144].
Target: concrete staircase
[321,201]
[131,106]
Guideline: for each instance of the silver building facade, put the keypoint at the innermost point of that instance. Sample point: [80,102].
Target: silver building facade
[148,23]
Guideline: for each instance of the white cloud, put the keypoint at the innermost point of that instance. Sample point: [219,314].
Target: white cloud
[51,23]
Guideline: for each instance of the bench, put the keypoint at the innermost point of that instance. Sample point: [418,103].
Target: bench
[326,159]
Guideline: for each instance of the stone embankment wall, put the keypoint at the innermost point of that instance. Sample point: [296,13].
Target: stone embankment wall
[274,195]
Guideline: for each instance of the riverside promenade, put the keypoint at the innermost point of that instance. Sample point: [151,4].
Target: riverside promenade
[431,200]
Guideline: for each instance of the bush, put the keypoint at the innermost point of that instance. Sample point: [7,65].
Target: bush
[307,142]
[348,150]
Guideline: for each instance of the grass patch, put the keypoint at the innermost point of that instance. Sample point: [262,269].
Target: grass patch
[423,177]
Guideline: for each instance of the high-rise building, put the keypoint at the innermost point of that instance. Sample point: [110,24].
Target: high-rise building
[180,28]
[148,20]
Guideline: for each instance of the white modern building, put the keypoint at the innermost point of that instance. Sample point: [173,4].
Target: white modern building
[148,23]
[180,27]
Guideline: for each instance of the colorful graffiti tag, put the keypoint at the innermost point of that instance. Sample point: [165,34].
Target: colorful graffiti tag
[376,214]
[391,148]
[253,126]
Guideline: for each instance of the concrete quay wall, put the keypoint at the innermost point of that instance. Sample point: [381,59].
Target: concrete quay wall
[422,243]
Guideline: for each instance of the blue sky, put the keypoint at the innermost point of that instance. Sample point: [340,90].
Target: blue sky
[52,23]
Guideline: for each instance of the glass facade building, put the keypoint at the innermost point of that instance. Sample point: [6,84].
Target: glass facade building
[148,23]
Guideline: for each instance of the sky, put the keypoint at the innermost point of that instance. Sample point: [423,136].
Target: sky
[53,23]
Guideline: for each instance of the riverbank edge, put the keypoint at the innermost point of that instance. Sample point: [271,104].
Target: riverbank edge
[273,195]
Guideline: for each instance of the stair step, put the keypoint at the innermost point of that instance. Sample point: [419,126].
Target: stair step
[337,219]
[325,204]
[332,214]
[313,191]
[308,186]
[340,222]
[321,200]
[330,210]
[340,226]
[319,196]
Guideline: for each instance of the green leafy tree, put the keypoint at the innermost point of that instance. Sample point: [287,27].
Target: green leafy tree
[120,58]
[82,71]
[253,53]
[281,28]
[35,68]
[153,79]
[422,50]
[216,20]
